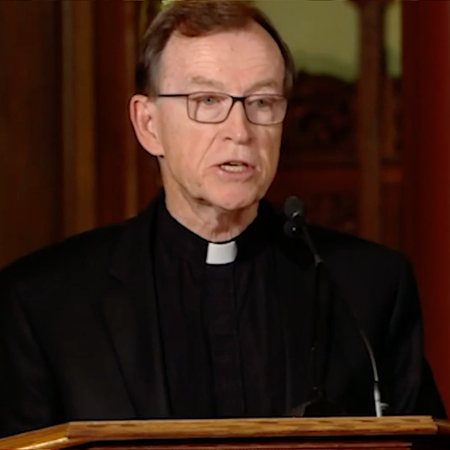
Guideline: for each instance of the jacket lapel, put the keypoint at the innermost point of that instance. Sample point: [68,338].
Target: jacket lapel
[130,311]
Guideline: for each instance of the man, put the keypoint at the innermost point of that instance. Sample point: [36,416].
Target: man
[201,306]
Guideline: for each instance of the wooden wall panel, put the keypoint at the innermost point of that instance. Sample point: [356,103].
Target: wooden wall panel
[78,144]
[426,38]
[114,82]
[29,127]
[107,176]
[121,163]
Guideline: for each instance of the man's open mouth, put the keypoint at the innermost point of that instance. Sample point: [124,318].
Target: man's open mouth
[234,166]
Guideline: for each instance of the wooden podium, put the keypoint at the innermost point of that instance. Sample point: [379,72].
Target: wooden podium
[411,432]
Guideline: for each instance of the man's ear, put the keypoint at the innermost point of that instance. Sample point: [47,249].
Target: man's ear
[143,117]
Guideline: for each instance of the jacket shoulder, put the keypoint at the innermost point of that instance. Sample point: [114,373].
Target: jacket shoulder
[82,253]
[364,269]
[85,256]
[339,245]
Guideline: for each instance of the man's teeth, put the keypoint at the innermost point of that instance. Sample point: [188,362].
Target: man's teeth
[233,167]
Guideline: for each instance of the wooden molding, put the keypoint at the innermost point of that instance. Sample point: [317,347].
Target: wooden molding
[79,433]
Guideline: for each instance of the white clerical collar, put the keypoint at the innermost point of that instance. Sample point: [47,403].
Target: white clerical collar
[221,253]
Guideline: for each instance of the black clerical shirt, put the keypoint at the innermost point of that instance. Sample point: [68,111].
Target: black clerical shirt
[221,325]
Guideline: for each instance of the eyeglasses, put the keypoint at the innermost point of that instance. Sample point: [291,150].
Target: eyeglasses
[215,107]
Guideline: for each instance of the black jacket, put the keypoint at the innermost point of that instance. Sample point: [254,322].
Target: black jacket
[79,335]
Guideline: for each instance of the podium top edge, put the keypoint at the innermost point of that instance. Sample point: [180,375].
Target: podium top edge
[78,433]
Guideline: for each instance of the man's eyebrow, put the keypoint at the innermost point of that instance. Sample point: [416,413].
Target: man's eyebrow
[202,81]
[269,83]
[199,80]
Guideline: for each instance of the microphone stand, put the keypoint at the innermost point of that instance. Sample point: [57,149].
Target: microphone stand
[318,403]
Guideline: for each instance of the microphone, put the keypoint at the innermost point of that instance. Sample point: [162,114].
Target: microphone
[295,211]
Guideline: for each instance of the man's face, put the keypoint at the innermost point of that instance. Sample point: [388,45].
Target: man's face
[228,165]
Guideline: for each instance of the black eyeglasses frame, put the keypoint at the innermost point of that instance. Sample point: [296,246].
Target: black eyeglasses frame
[234,100]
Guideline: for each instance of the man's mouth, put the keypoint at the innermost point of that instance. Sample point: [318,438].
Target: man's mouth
[234,166]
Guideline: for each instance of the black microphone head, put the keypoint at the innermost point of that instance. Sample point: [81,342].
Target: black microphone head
[291,229]
[294,208]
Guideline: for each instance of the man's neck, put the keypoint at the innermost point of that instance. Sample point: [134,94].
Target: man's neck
[211,223]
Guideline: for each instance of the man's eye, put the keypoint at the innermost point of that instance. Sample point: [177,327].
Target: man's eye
[207,100]
[262,102]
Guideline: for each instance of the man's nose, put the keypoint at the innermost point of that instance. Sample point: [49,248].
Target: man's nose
[238,126]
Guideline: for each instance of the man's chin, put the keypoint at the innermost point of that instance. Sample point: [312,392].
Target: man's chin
[234,201]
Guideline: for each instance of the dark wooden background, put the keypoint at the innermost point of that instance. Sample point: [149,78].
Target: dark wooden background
[371,158]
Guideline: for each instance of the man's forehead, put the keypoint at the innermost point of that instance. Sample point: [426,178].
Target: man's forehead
[224,36]
[203,60]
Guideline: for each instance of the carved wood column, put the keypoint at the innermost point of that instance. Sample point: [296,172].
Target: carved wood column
[368,115]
